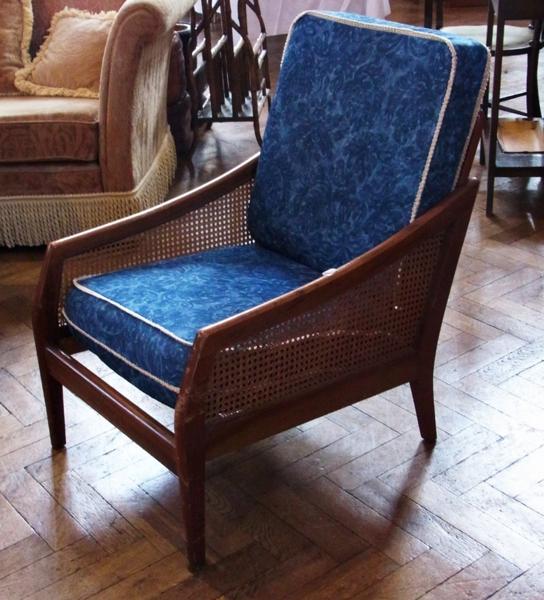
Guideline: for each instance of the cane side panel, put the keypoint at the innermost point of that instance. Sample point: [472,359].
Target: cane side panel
[374,323]
[221,222]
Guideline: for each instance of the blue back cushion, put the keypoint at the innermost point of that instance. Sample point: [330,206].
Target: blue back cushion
[368,129]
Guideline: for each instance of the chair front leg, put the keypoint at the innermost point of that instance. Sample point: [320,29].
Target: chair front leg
[428,14]
[191,466]
[193,511]
[54,405]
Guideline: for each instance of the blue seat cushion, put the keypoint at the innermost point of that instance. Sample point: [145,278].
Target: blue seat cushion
[368,129]
[142,321]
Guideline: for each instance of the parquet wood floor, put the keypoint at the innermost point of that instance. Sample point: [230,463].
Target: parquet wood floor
[349,506]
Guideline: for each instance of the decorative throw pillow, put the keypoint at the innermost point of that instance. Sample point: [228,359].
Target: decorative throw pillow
[15,35]
[70,59]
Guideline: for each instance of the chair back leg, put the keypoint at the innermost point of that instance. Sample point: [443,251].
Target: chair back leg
[423,395]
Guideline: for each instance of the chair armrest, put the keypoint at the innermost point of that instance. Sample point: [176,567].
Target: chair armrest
[164,231]
[133,89]
[385,305]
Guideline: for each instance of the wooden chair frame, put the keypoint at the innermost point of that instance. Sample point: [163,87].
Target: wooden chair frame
[196,437]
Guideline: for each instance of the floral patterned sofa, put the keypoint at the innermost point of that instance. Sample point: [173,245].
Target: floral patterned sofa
[67,164]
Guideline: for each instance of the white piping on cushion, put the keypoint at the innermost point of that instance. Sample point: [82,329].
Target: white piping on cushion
[477,109]
[438,129]
[411,33]
[120,357]
[126,310]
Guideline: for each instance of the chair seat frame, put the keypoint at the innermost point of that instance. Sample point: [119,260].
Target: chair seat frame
[197,437]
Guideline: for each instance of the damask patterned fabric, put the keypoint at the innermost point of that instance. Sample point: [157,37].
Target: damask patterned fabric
[142,321]
[368,129]
[36,129]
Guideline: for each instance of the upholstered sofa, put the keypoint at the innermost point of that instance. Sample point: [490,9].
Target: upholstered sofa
[67,164]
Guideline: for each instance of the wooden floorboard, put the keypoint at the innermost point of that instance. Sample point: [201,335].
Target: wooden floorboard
[351,506]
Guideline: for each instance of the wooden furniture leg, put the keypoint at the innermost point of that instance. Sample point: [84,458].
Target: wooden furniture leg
[533,99]
[428,14]
[423,395]
[190,436]
[428,20]
[439,14]
[54,406]
[193,511]
[494,120]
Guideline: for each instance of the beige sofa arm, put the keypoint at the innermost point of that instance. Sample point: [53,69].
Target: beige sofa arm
[133,90]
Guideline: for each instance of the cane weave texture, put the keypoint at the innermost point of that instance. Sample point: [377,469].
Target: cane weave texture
[374,323]
[218,223]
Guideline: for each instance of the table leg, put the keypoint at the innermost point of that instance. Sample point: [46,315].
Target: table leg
[428,14]
[439,14]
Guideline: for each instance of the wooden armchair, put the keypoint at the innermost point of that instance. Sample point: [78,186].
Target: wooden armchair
[282,290]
